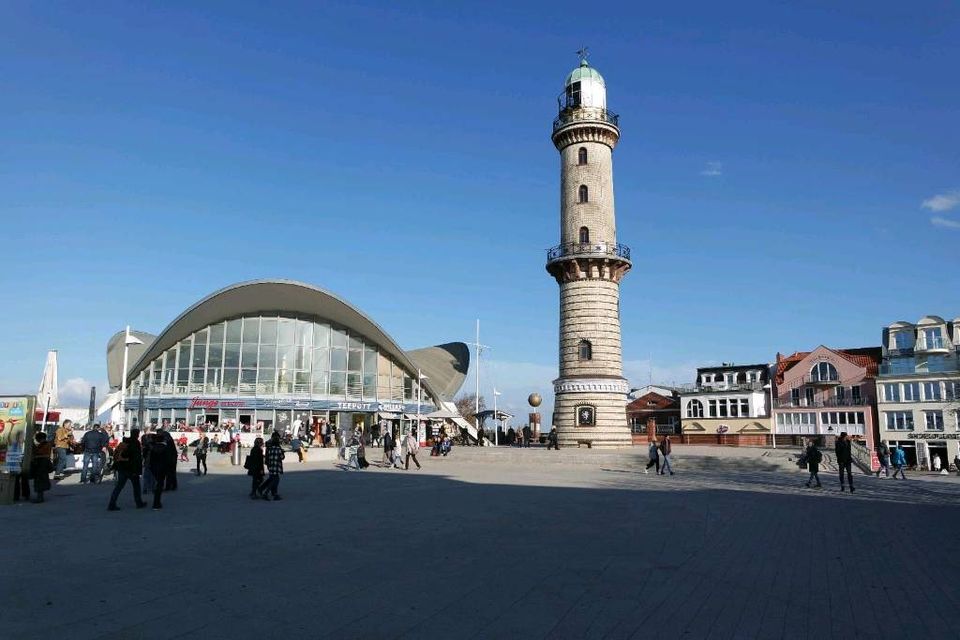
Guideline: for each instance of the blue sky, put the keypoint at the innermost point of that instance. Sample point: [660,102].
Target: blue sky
[788,175]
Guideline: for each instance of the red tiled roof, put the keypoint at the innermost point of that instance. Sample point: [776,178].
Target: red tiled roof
[866,357]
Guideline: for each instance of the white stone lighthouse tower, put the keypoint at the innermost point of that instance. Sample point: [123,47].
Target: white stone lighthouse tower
[588,264]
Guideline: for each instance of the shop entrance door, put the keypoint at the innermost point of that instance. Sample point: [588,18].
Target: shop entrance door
[212,418]
[938,450]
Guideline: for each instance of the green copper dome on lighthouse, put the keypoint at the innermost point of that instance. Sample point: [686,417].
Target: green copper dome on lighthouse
[583,72]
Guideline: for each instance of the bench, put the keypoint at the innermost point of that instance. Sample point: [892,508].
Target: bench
[589,443]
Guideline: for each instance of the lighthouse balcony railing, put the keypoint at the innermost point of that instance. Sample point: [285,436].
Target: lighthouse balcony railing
[585,114]
[588,249]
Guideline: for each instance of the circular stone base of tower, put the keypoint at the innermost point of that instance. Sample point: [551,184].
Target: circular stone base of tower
[609,428]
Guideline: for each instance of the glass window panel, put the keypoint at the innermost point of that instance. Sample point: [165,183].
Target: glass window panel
[370,386]
[268,355]
[321,335]
[369,360]
[407,388]
[230,379]
[356,342]
[354,385]
[304,333]
[286,331]
[249,356]
[268,331]
[338,360]
[319,385]
[197,376]
[286,356]
[321,359]
[301,358]
[302,378]
[213,378]
[231,357]
[215,359]
[184,355]
[267,375]
[338,383]
[248,376]
[234,330]
[355,361]
[338,338]
[216,333]
[199,354]
[251,330]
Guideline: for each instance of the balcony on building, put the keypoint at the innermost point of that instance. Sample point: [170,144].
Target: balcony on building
[822,380]
[573,250]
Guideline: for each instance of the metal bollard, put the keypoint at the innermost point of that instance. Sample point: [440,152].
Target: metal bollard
[235,454]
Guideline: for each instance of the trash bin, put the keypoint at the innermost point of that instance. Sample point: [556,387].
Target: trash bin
[235,454]
[6,487]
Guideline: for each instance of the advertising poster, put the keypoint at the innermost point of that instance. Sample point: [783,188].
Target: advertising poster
[16,427]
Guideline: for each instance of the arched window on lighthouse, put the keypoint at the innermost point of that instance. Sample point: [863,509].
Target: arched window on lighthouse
[582,156]
[583,194]
[584,235]
[586,350]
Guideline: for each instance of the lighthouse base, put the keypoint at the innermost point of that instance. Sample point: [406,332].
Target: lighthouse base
[592,410]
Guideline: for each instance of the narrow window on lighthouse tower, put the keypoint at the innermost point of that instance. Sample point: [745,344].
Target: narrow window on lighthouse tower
[583,194]
[584,235]
[582,156]
[586,350]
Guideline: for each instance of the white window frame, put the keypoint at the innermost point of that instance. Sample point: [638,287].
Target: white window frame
[936,417]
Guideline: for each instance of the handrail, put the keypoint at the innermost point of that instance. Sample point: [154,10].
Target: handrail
[585,114]
[569,249]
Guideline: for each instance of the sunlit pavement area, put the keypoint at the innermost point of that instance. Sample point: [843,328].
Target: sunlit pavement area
[493,545]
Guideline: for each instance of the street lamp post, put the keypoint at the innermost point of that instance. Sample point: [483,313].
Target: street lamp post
[420,379]
[496,418]
[127,341]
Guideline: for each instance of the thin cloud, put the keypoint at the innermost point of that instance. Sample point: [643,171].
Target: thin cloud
[942,202]
[937,221]
[713,169]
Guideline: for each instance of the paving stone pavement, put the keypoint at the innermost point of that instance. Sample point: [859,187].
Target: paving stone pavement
[470,548]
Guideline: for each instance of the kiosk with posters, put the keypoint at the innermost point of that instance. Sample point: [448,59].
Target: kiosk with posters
[16,441]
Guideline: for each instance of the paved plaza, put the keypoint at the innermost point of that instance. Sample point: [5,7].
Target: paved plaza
[493,546]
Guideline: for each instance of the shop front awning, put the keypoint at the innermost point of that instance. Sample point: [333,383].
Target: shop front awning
[389,415]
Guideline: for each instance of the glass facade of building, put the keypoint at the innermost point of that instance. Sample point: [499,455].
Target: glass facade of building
[271,361]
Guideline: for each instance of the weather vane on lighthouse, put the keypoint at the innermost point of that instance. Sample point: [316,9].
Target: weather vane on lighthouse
[583,53]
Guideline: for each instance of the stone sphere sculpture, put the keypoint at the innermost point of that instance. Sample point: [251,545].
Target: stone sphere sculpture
[534,399]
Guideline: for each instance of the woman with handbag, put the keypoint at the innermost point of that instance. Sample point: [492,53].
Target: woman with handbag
[41,466]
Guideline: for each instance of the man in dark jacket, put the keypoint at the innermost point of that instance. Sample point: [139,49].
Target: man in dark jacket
[128,463]
[666,448]
[527,435]
[163,457]
[844,459]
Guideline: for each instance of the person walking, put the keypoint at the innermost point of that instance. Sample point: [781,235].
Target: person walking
[956,463]
[203,446]
[62,445]
[94,443]
[814,457]
[883,455]
[254,466]
[41,466]
[653,455]
[527,436]
[480,436]
[553,440]
[128,465]
[388,445]
[296,445]
[409,450]
[899,462]
[274,461]
[666,448]
[163,463]
[844,455]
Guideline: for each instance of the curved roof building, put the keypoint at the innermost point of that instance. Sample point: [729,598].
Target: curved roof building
[269,352]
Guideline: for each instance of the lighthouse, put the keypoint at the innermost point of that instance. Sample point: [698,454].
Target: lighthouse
[588,265]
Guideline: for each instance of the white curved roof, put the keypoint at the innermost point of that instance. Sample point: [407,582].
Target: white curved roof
[445,366]
[927,320]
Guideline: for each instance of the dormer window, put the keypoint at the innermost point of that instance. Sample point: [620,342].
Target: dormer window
[903,340]
[824,372]
[933,338]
